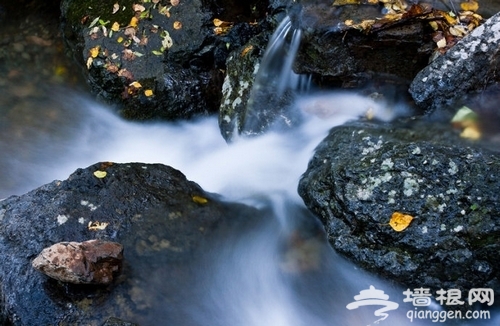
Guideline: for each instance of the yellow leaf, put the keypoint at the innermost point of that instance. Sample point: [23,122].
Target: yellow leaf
[115,27]
[200,200]
[246,50]
[177,25]
[346,2]
[94,52]
[100,174]
[135,84]
[470,5]
[400,221]
[133,22]
[148,92]
[96,226]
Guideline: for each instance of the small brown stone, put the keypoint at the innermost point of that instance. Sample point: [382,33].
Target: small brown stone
[89,262]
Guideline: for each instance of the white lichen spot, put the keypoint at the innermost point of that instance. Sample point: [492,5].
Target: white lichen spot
[416,151]
[483,47]
[462,212]
[365,192]
[84,202]
[452,191]
[2,213]
[441,207]
[144,167]
[81,220]
[236,102]
[372,147]
[424,229]
[424,79]
[360,131]
[443,227]
[391,195]
[434,162]
[387,164]
[458,228]
[227,119]
[410,187]
[453,168]
[61,219]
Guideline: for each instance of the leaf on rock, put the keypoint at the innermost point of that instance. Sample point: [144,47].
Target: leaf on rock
[100,174]
[470,5]
[400,221]
[200,200]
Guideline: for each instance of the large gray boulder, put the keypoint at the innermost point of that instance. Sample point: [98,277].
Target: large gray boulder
[161,219]
[362,173]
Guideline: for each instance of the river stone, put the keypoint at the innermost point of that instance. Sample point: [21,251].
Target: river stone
[467,68]
[174,66]
[336,55]
[162,220]
[363,172]
[88,262]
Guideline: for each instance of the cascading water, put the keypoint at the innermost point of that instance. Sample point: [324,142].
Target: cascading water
[278,271]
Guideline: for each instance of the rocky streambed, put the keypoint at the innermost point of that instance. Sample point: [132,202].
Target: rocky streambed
[411,197]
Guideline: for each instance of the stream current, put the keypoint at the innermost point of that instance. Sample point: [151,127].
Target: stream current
[246,281]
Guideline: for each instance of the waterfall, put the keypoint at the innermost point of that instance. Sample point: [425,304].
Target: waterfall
[275,84]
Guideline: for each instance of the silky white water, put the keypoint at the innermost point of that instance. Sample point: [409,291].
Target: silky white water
[249,279]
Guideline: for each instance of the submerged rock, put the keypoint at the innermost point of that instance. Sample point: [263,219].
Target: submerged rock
[88,262]
[362,173]
[162,220]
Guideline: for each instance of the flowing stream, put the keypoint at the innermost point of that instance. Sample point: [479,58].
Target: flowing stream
[255,277]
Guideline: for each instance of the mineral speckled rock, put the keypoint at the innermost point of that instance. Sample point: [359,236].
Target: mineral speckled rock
[89,262]
[364,172]
[470,66]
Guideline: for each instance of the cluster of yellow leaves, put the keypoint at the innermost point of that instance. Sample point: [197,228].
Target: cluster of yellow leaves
[221,27]
[449,27]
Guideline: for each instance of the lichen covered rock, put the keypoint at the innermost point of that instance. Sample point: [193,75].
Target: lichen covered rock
[363,173]
[467,68]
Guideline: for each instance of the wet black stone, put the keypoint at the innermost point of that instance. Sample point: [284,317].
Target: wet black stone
[363,172]
[152,210]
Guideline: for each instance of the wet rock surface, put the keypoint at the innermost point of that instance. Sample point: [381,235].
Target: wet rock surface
[338,55]
[362,173]
[161,219]
[467,68]
[159,60]
[88,262]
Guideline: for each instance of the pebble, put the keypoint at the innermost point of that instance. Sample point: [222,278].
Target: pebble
[89,262]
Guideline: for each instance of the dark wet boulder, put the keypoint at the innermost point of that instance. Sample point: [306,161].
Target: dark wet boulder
[156,60]
[363,173]
[351,45]
[162,220]
[466,69]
